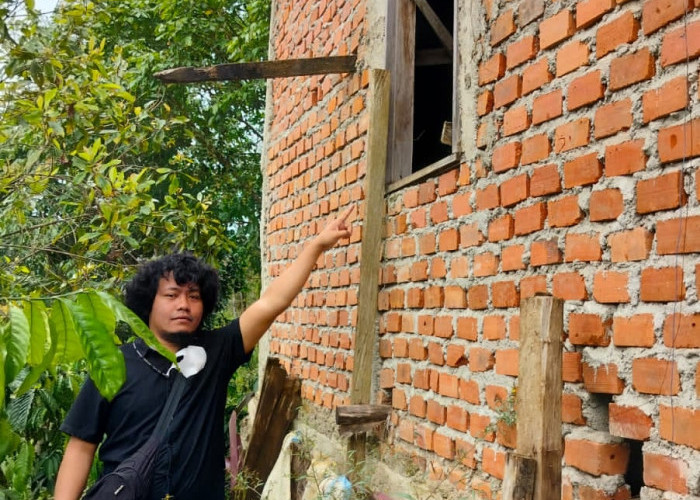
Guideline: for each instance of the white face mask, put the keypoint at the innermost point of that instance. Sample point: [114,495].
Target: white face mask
[191,360]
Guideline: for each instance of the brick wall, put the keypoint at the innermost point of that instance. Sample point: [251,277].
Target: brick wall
[582,183]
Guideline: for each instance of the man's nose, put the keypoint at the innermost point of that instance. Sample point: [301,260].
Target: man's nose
[183,302]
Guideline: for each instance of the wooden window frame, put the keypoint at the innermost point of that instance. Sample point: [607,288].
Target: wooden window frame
[400,46]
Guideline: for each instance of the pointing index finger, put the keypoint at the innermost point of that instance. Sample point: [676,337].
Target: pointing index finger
[347,213]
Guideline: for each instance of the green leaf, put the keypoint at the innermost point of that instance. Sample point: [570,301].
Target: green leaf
[18,411]
[8,439]
[38,320]
[23,467]
[139,328]
[105,361]
[3,352]
[67,343]
[16,343]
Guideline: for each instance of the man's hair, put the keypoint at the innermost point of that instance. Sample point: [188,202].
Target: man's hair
[185,268]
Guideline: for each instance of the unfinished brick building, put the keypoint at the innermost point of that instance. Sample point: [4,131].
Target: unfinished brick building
[571,169]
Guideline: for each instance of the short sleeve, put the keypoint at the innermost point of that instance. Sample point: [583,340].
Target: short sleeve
[232,346]
[87,418]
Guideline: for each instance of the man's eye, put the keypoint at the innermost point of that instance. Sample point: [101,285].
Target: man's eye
[195,296]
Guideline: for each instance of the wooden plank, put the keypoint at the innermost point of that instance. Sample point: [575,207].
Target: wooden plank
[401,46]
[280,397]
[436,23]
[262,69]
[370,250]
[360,414]
[433,57]
[519,477]
[440,166]
[538,400]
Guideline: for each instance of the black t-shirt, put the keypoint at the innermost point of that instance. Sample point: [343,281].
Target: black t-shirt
[190,465]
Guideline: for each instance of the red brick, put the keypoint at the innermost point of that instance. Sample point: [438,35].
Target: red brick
[506,157]
[611,287]
[675,48]
[469,391]
[569,286]
[621,30]
[492,69]
[625,158]
[602,379]
[435,412]
[438,212]
[556,28]
[545,252]
[416,349]
[470,236]
[582,247]
[507,362]
[514,190]
[679,142]
[629,422]
[605,205]
[443,327]
[386,378]
[630,245]
[506,91]
[680,425]
[466,453]
[670,97]
[662,285]
[571,367]
[571,56]
[596,458]
[529,10]
[590,11]
[457,418]
[529,286]
[660,193]
[658,13]
[547,106]
[665,473]
[480,359]
[443,446]
[629,69]
[612,118]
[461,204]
[564,212]
[455,297]
[571,410]
[447,182]
[635,331]
[515,120]
[505,294]
[487,197]
[485,264]
[678,236]
[545,180]
[520,51]
[493,462]
[406,430]
[426,192]
[655,376]
[536,75]
[585,90]
[530,219]
[455,355]
[448,385]
[501,229]
[512,258]
[398,399]
[571,135]
[535,148]
[478,297]
[682,331]
[417,406]
[502,28]
[588,329]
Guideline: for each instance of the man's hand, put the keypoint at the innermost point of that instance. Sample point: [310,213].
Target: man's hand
[335,230]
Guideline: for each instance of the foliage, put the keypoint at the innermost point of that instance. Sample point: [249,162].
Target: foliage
[101,166]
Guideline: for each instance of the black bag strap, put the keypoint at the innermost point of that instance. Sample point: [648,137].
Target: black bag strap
[166,415]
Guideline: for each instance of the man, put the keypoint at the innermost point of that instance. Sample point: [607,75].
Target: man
[173,295]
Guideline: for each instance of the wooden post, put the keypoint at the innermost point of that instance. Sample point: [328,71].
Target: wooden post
[519,477]
[280,398]
[538,400]
[370,250]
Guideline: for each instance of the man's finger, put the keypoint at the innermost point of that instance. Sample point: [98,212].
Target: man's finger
[347,213]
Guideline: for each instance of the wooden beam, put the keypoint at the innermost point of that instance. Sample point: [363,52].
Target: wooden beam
[370,249]
[263,69]
[434,21]
[538,400]
[359,414]
[280,398]
[519,477]
[433,57]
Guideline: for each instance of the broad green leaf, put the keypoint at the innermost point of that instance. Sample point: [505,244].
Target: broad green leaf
[105,361]
[18,411]
[16,343]
[8,439]
[92,302]
[3,352]
[139,328]
[38,320]
[23,467]
[68,347]
[36,371]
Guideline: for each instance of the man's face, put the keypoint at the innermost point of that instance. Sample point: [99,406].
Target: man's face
[177,309]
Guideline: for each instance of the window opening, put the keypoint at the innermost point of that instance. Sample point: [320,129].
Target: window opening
[634,476]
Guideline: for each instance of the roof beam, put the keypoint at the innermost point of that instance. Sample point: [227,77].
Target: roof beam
[434,21]
[264,69]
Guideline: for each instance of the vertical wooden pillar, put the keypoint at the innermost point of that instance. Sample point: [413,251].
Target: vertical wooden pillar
[538,401]
[370,249]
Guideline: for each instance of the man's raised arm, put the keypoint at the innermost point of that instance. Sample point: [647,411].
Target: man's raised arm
[255,320]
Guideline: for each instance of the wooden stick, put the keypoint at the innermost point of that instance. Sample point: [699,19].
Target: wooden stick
[263,69]
[434,21]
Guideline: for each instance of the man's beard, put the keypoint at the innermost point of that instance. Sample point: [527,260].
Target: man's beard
[180,339]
